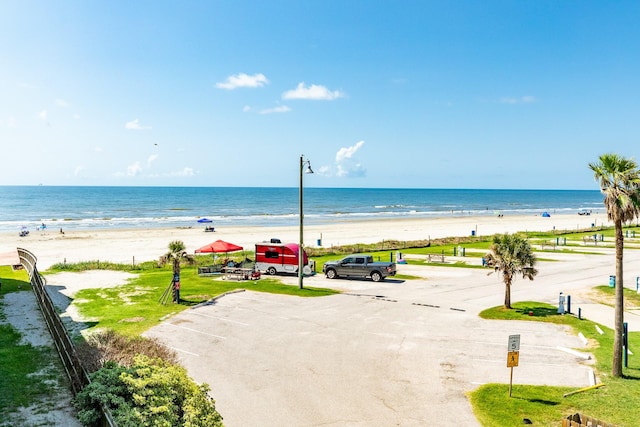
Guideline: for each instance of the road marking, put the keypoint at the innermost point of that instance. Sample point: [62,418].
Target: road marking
[262,300]
[200,332]
[583,338]
[425,305]
[184,351]
[584,356]
[219,318]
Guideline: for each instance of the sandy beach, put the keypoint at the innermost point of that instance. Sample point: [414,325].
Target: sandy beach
[145,244]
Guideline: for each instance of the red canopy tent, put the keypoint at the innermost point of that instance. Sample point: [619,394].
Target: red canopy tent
[219,246]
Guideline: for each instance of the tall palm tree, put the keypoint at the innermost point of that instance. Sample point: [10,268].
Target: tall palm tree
[510,255]
[619,181]
[176,256]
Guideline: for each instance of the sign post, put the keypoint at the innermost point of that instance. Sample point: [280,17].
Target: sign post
[513,356]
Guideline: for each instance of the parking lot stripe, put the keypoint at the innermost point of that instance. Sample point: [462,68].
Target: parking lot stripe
[219,318]
[184,351]
[200,332]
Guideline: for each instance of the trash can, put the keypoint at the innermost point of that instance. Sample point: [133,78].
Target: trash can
[319,242]
[612,281]
[473,232]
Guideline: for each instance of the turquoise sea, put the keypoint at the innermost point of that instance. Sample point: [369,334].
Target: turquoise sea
[82,208]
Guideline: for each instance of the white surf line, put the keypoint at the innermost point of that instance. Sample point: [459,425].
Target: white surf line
[219,318]
[184,351]
[200,332]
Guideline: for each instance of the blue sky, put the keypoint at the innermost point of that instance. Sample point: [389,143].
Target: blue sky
[408,94]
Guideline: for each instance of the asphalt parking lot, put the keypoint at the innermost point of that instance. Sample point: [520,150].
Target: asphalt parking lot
[388,353]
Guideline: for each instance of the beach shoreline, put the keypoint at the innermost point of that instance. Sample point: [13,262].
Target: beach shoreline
[141,244]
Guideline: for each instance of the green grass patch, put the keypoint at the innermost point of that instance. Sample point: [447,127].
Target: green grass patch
[133,308]
[545,405]
[631,297]
[535,403]
[18,365]
[13,280]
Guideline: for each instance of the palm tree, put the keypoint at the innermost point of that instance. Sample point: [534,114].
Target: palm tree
[176,256]
[619,180]
[511,255]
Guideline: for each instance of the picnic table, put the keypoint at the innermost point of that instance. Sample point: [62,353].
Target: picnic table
[238,273]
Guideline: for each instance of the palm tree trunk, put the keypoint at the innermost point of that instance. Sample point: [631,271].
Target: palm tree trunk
[507,295]
[616,368]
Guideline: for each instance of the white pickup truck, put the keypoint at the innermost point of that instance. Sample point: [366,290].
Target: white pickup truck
[359,266]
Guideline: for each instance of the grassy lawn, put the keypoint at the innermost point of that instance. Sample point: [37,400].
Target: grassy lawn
[545,405]
[134,307]
[24,370]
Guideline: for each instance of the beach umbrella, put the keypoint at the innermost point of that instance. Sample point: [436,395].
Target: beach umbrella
[219,246]
[204,220]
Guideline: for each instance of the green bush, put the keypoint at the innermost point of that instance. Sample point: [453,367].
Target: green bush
[151,392]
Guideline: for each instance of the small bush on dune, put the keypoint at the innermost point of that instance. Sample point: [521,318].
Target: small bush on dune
[149,392]
[107,345]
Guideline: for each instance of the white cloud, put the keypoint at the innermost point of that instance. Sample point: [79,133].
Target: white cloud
[184,172]
[134,169]
[243,80]
[346,164]
[151,159]
[135,125]
[313,92]
[62,103]
[348,152]
[78,170]
[353,170]
[43,115]
[281,109]
[76,117]
[515,100]
[246,109]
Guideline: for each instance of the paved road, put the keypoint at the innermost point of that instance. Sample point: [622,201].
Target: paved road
[389,353]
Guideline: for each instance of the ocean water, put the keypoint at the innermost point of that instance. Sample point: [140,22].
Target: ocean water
[82,208]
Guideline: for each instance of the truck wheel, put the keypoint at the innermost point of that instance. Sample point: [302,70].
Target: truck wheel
[271,271]
[376,276]
[331,273]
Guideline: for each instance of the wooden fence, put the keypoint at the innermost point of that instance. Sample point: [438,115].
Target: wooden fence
[66,350]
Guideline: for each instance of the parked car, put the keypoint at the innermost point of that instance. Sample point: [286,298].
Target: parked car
[359,265]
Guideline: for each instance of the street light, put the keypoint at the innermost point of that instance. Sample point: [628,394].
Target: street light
[303,162]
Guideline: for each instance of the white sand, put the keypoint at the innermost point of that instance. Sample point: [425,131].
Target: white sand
[145,244]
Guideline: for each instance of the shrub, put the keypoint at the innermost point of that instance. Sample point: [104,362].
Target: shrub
[108,345]
[150,392]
